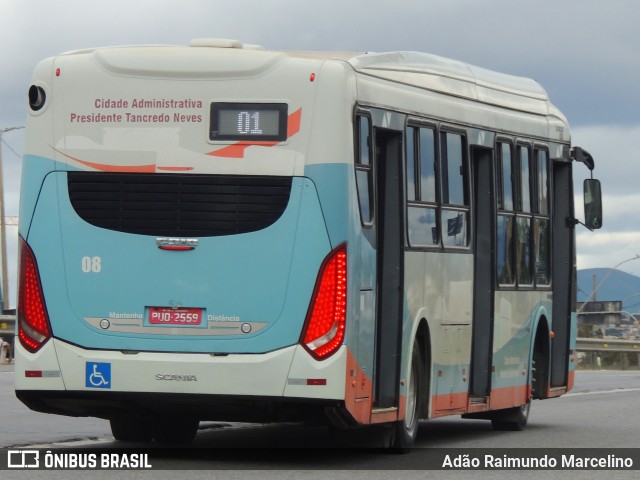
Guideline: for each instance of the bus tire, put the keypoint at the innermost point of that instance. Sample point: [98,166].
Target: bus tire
[131,428]
[177,431]
[406,430]
[512,419]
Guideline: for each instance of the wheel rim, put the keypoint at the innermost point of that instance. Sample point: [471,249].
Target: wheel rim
[412,398]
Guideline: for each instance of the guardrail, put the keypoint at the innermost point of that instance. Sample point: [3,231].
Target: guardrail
[608,353]
[607,345]
[7,325]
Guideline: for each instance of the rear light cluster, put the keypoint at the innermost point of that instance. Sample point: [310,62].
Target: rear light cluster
[33,321]
[326,319]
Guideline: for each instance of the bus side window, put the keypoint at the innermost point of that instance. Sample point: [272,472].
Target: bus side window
[421,187]
[542,167]
[455,216]
[541,225]
[523,250]
[427,165]
[523,221]
[364,169]
[523,226]
[506,216]
[524,197]
[410,163]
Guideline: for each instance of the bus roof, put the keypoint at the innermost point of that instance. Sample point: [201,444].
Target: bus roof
[420,70]
[456,78]
[451,77]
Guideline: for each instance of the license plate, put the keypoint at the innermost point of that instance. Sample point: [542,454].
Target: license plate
[187,317]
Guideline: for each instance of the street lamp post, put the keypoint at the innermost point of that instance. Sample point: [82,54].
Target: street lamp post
[604,279]
[3,236]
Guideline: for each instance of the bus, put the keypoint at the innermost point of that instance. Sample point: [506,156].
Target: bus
[218,232]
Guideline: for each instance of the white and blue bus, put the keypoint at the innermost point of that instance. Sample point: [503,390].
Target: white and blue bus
[220,232]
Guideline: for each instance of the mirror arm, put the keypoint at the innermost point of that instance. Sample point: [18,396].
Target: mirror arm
[572,222]
[581,155]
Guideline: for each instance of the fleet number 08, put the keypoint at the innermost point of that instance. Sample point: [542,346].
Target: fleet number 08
[91,264]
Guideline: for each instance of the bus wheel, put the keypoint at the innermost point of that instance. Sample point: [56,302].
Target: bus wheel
[406,430]
[179,431]
[131,428]
[512,419]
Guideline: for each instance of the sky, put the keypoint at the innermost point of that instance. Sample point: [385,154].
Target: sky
[585,53]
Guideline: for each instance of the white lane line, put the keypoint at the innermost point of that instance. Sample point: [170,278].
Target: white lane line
[601,392]
[68,444]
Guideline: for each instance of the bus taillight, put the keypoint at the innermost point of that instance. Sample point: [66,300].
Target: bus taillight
[325,324]
[33,320]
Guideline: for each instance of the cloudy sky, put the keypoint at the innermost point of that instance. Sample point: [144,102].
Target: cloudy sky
[586,53]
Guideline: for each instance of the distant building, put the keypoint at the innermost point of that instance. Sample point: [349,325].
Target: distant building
[600,313]
[606,319]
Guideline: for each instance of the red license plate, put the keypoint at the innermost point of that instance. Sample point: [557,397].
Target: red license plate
[182,316]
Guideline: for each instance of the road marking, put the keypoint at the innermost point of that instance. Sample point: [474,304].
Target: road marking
[601,392]
[68,443]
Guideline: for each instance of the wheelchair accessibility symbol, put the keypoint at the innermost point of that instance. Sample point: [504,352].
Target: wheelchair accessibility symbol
[98,375]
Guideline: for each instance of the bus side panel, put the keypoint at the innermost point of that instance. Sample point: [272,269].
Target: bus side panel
[34,171]
[336,188]
[447,284]
[516,318]
[335,184]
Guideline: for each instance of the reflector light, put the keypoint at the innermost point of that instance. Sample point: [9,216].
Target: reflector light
[326,319]
[33,373]
[176,248]
[33,320]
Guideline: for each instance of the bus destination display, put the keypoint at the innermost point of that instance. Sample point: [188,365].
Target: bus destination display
[248,121]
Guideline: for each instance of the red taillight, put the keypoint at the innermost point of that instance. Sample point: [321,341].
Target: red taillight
[33,321]
[326,319]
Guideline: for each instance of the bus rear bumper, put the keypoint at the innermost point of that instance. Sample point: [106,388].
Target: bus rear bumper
[66,379]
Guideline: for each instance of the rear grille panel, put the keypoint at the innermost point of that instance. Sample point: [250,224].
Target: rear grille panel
[177,204]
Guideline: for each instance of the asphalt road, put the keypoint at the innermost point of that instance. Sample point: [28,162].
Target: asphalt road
[601,412]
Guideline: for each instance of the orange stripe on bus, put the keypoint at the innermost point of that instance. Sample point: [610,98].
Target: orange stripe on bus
[449,404]
[111,168]
[571,380]
[237,149]
[508,397]
[358,391]
[175,169]
[457,403]
[293,125]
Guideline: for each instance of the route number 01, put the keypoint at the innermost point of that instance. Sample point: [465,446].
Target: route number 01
[91,264]
[249,123]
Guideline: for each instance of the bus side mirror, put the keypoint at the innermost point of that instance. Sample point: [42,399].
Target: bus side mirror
[592,204]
